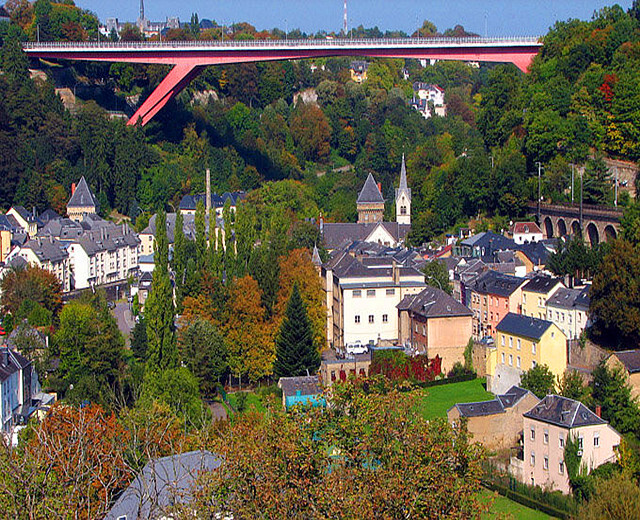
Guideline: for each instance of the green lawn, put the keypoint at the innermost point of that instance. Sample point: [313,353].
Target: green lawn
[503,508]
[438,399]
[253,401]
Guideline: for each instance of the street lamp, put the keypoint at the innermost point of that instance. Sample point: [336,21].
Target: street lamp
[539,189]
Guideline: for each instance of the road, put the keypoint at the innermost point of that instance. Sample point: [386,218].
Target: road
[125,319]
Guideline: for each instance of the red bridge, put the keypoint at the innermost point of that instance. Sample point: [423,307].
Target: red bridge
[191,57]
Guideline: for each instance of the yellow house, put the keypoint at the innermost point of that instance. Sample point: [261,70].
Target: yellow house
[629,362]
[535,294]
[521,343]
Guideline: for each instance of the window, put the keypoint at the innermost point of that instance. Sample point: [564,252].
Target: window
[518,362]
[357,293]
[503,340]
[357,319]
[534,364]
[533,348]
[533,433]
[533,459]
[580,443]
[545,463]
[519,344]
[370,318]
[385,318]
[510,360]
[596,440]
[403,210]
[503,358]
[424,330]
[561,440]
[371,293]
[510,342]
[391,292]
[524,298]
[123,517]
[545,437]
[561,467]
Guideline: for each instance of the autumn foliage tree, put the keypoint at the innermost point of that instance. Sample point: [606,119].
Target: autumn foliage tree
[311,132]
[33,284]
[367,455]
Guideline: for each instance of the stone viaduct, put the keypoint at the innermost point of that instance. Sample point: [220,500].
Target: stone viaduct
[600,223]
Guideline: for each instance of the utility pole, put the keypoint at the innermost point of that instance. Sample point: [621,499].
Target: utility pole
[344,22]
[539,188]
[581,190]
[615,200]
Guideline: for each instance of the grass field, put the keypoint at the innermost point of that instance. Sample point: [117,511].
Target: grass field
[438,399]
[503,508]
[253,401]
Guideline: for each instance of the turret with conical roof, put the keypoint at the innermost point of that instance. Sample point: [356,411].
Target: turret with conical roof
[82,201]
[403,198]
[370,202]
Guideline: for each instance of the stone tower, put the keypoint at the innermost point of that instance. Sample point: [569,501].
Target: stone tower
[370,202]
[403,198]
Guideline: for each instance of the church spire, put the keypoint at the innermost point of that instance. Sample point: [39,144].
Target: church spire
[403,176]
[403,197]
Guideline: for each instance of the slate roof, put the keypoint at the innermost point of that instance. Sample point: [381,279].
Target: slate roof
[541,284]
[630,359]
[564,412]
[346,266]
[307,385]
[161,484]
[82,196]
[497,284]
[339,235]
[490,241]
[525,326]
[189,226]
[536,252]
[359,66]
[11,362]
[64,228]
[189,202]
[48,215]
[433,303]
[495,406]
[5,223]
[403,187]
[47,249]
[107,238]
[570,298]
[370,193]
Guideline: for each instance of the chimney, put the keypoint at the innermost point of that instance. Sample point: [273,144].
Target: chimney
[599,411]
[73,188]
[380,187]
[321,223]
[208,194]
[395,272]
[4,356]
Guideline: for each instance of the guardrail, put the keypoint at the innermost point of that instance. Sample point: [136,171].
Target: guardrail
[363,42]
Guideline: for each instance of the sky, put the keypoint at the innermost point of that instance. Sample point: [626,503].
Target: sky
[491,17]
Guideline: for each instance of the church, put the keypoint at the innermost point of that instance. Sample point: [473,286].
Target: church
[370,226]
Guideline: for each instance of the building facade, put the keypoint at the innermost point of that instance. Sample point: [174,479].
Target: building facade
[569,310]
[521,343]
[535,294]
[548,426]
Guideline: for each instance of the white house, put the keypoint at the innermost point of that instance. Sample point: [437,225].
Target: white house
[16,374]
[425,94]
[569,310]
[47,253]
[526,232]
[362,297]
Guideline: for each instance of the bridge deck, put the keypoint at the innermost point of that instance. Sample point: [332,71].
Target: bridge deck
[191,57]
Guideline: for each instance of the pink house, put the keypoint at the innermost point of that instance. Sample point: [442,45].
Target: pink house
[547,426]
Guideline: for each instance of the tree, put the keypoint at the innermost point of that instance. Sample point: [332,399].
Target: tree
[159,312]
[617,498]
[615,297]
[139,340]
[296,354]
[539,380]
[32,284]
[347,461]
[201,235]
[610,390]
[91,351]
[247,334]
[203,351]
[572,385]
[436,275]
[311,132]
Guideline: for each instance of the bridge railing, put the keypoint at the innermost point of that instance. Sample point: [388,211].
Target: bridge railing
[362,42]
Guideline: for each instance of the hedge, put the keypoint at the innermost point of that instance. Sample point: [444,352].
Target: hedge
[526,501]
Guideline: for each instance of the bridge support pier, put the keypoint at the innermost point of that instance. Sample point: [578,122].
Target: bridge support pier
[174,82]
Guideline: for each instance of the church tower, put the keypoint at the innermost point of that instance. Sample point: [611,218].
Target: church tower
[370,202]
[403,198]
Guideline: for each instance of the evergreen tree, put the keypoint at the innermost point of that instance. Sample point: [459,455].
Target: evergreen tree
[14,62]
[179,250]
[211,246]
[219,256]
[229,243]
[295,353]
[159,313]
[201,236]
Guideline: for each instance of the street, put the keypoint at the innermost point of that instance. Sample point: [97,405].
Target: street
[124,318]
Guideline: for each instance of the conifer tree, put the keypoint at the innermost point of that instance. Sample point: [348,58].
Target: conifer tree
[201,236]
[219,257]
[179,250]
[295,353]
[211,247]
[229,246]
[159,310]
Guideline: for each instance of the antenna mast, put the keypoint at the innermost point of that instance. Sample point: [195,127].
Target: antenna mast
[344,28]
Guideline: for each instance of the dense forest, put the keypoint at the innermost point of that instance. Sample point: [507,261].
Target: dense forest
[580,103]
